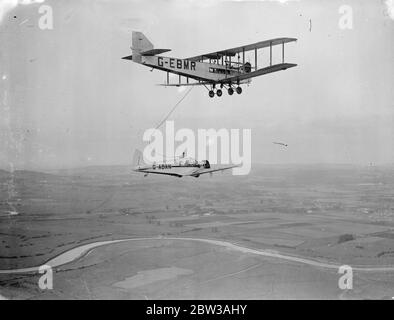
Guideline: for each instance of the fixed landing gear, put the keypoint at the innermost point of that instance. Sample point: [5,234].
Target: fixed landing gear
[219,92]
[211,93]
[231,90]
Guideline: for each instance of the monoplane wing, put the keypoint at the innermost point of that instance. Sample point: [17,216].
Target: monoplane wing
[161,172]
[198,172]
[233,51]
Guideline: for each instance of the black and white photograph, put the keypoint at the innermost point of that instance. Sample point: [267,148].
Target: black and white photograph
[196,150]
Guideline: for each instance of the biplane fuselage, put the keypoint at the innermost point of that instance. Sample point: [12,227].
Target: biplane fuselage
[210,69]
[192,69]
[206,71]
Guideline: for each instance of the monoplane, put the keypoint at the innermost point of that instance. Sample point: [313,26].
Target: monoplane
[178,167]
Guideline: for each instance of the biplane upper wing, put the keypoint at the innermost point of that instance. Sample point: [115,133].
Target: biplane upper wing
[233,51]
[259,72]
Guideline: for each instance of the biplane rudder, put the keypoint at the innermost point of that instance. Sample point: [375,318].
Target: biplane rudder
[139,44]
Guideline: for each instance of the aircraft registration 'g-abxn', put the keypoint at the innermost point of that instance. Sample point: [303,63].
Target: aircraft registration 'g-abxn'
[211,69]
[181,167]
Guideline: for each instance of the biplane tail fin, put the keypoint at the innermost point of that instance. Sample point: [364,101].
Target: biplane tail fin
[138,159]
[139,44]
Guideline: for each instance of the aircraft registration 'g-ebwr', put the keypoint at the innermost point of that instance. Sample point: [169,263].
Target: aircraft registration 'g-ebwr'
[211,69]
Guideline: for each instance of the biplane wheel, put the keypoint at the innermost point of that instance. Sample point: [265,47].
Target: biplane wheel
[211,93]
[239,90]
[230,91]
[219,92]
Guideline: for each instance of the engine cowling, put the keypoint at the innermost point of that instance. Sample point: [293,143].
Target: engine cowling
[206,164]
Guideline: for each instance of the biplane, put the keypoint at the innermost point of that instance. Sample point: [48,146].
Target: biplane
[216,70]
[178,167]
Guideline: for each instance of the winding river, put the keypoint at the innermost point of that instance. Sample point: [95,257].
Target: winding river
[78,252]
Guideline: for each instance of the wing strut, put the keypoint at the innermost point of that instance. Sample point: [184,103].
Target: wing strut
[255,58]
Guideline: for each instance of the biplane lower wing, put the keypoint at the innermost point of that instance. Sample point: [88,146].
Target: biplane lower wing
[201,83]
[240,78]
[260,72]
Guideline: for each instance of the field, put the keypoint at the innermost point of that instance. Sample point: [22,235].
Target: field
[340,215]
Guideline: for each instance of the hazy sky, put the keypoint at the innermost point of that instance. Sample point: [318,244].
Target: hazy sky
[67,99]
